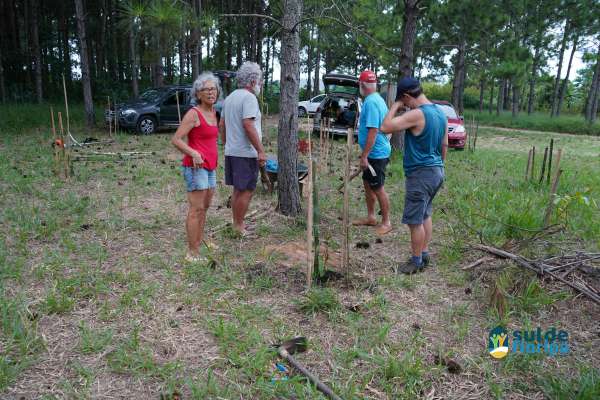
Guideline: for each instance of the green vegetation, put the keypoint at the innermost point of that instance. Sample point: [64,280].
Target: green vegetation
[92,268]
[566,123]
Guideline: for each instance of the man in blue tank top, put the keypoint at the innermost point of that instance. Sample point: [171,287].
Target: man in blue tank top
[425,146]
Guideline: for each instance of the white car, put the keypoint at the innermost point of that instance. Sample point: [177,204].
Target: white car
[309,106]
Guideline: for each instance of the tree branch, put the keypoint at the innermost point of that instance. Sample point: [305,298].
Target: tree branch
[254,15]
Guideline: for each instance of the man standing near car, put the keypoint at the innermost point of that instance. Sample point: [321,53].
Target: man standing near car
[375,154]
[425,147]
[242,136]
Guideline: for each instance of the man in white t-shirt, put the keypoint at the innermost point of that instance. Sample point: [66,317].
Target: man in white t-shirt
[241,132]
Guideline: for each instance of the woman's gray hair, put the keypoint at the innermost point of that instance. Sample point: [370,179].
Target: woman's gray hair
[200,83]
[248,72]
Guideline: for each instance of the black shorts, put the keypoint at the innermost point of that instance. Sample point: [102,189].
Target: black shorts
[241,172]
[379,165]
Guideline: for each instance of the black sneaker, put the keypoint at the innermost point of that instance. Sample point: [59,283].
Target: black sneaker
[409,267]
[426,260]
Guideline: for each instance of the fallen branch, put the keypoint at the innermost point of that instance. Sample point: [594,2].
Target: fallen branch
[477,263]
[523,262]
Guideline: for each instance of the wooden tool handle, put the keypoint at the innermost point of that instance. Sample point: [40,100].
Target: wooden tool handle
[320,385]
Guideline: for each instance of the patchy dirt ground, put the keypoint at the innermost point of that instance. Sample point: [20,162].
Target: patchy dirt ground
[110,310]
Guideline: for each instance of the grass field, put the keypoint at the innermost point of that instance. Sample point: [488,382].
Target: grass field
[538,121]
[95,301]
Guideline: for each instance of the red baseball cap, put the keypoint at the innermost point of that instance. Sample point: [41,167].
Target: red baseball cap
[368,76]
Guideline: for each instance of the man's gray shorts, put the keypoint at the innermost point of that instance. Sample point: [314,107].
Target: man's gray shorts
[421,187]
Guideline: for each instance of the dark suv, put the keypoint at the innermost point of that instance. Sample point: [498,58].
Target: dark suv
[157,107]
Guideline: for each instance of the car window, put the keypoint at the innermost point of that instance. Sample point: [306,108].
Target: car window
[172,101]
[151,95]
[318,99]
[341,89]
[449,111]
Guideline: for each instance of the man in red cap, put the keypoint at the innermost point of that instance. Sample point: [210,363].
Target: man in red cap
[375,154]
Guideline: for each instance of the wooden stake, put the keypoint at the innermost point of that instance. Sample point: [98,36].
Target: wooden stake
[66,106]
[544,164]
[528,165]
[550,205]
[346,210]
[63,157]
[309,219]
[550,161]
[532,162]
[54,148]
[178,109]
[476,134]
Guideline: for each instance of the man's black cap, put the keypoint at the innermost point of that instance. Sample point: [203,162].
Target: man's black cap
[406,84]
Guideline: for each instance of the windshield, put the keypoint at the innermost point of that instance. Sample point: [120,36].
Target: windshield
[448,110]
[341,89]
[151,95]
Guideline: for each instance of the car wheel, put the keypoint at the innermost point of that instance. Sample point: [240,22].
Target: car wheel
[146,125]
[301,112]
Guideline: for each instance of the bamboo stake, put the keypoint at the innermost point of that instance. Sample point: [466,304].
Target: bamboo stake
[346,241]
[528,165]
[66,106]
[55,166]
[550,161]
[178,109]
[309,218]
[63,158]
[532,162]
[543,165]
[116,119]
[550,206]
[476,134]
[114,116]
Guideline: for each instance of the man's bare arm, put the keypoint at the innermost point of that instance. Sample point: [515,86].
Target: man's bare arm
[252,134]
[222,130]
[392,124]
[445,144]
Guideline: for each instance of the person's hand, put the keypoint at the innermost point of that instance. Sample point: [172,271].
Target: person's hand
[197,159]
[364,163]
[262,158]
[399,106]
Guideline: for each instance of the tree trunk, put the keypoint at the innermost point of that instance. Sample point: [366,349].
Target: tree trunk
[287,139]
[66,48]
[491,105]
[564,87]
[533,78]
[515,100]
[266,68]
[506,93]
[133,59]
[458,81]
[592,97]
[558,72]
[2,79]
[499,104]
[85,68]
[309,62]
[409,34]
[196,41]
[35,48]
[481,89]
[158,77]
[317,80]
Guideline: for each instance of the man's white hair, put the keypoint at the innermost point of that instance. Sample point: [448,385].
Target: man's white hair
[248,72]
[200,83]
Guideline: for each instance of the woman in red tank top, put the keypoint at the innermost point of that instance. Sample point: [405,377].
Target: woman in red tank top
[199,164]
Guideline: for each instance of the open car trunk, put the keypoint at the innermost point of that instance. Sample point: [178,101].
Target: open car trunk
[341,106]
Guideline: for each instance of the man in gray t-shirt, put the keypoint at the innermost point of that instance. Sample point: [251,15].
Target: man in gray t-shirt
[240,128]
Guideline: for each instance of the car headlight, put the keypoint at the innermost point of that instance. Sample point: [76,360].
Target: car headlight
[459,129]
[127,112]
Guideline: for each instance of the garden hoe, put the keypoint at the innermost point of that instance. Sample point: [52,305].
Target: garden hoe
[298,344]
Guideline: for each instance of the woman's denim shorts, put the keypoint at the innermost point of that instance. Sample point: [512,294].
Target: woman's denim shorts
[199,178]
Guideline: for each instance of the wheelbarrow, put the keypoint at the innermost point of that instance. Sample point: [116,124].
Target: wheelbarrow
[268,174]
